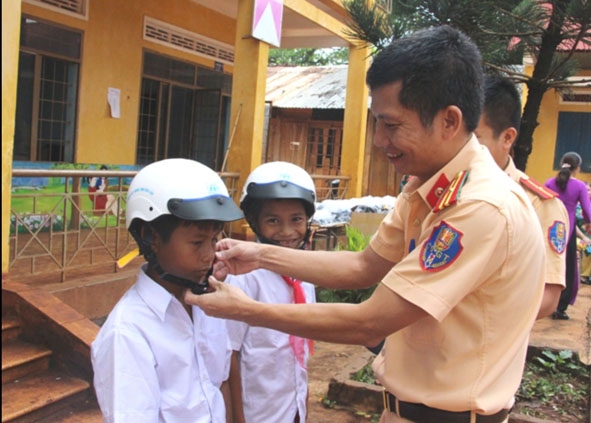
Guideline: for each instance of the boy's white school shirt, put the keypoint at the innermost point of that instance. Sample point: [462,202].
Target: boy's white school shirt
[274,385]
[153,364]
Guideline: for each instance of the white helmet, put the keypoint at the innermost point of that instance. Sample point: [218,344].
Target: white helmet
[180,187]
[279,180]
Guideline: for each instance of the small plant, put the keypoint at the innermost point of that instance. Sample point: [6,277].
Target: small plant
[557,378]
[356,241]
[373,418]
[554,363]
[328,403]
[365,375]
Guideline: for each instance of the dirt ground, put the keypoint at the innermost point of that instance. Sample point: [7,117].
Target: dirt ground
[327,362]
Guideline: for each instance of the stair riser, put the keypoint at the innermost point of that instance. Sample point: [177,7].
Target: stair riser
[10,334]
[14,373]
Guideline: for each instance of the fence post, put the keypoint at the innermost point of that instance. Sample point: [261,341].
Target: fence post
[75,215]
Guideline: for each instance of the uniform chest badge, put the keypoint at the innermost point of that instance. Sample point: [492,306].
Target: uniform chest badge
[557,236]
[442,248]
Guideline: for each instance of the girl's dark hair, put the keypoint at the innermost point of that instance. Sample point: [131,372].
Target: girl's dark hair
[569,162]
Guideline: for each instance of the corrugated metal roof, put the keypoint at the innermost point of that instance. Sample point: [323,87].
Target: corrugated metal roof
[307,87]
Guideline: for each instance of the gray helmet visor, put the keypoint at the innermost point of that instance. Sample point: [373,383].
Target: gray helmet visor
[281,189]
[212,208]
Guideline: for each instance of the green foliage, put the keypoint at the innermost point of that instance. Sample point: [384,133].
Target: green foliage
[308,57]
[328,403]
[558,378]
[356,241]
[504,31]
[365,375]
[564,361]
[373,418]
[71,166]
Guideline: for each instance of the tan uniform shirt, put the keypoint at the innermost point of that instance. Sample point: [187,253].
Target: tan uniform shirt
[554,221]
[476,268]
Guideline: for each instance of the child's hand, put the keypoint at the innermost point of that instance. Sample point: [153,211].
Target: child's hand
[222,300]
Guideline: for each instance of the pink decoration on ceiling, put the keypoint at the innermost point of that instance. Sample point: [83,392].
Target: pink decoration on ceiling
[268,15]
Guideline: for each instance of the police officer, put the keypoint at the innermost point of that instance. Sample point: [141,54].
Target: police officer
[497,130]
[458,261]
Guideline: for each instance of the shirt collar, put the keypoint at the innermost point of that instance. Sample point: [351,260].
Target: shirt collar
[154,295]
[431,190]
[512,170]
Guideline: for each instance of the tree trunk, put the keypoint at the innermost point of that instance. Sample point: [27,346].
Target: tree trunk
[539,83]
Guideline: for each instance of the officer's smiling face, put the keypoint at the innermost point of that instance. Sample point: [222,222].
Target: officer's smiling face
[409,146]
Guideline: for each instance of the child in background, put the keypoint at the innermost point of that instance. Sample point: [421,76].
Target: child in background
[156,359]
[278,201]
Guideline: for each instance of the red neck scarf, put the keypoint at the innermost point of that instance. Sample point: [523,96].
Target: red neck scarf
[297,343]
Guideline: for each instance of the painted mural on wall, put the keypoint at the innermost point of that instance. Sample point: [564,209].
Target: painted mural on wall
[47,203]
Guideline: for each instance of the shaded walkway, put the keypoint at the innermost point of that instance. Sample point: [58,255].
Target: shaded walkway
[572,334]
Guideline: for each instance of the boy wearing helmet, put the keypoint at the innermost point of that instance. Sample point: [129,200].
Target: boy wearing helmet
[156,359]
[278,202]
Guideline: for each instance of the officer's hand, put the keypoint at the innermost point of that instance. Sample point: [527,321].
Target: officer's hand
[236,257]
[222,300]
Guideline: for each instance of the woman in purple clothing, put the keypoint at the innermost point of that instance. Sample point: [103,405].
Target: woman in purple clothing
[572,192]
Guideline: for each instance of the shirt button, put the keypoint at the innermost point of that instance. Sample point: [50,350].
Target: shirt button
[438,192]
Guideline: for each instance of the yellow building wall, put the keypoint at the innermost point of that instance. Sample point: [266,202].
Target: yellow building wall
[112,50]
[540,162]
[11,10]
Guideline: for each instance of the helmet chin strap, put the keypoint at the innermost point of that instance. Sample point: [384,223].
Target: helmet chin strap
[146,250]
[195,287]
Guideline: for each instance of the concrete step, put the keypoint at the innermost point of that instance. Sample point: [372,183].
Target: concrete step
[84,411]
[20,359]
[34,396]
[11,328]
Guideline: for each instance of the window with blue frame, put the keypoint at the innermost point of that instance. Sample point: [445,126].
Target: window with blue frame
[574,134]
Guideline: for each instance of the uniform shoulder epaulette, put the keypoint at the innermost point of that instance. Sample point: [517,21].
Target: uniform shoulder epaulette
[537,188]
[451,194]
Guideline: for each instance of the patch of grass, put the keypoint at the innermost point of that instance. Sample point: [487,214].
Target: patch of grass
[47,200]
